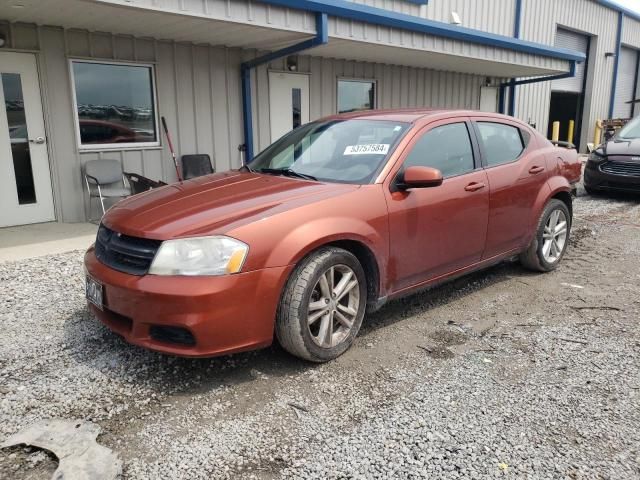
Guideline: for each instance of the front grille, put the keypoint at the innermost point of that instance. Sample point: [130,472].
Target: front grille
[626,169]
[126,254]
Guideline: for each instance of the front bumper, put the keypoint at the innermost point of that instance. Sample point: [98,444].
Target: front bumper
[596,179]
[221,315]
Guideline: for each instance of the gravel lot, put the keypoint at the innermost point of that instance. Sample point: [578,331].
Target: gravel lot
[501,374]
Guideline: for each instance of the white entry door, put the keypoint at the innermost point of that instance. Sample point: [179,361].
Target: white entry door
[489,99]
[288,102]
[25,181]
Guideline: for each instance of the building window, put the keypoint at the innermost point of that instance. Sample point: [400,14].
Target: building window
[356,95]
[115,105]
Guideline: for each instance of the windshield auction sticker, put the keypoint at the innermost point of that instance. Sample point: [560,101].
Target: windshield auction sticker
[371,148]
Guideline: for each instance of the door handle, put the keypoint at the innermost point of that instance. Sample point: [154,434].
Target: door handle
[535,170]
[38,140]
[474,187]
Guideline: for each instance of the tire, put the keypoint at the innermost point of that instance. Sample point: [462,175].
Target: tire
[591,191]
[305,296]
[534,257]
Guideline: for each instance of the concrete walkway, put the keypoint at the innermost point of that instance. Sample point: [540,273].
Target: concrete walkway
[28,241]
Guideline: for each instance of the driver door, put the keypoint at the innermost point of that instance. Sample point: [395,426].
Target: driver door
[438,230]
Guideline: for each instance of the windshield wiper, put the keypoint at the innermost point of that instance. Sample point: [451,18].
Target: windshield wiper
[287,172]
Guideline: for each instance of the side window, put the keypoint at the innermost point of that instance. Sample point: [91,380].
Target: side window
[502,143]
[447,148]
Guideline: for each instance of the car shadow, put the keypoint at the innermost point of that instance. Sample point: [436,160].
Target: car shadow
[424,300]
[93,345]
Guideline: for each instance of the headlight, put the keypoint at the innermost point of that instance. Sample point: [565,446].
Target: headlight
[215,255]
[597,156]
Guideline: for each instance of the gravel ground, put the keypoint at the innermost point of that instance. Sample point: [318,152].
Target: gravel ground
[501,374]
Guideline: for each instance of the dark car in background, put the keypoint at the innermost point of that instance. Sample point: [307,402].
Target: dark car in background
[615,165]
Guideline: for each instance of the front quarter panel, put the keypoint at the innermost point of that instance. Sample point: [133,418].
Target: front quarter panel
[284,239]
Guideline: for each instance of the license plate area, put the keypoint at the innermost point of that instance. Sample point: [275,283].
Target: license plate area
[94,292]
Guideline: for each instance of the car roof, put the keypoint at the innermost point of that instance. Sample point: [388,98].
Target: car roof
[413,115]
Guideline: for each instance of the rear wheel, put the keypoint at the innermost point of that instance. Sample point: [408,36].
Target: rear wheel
[322,307]
[551,239]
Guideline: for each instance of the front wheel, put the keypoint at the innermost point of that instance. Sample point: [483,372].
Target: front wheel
[551,239]
[322,306]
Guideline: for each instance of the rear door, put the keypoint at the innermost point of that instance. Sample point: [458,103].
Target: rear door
[516,172]
[435,231]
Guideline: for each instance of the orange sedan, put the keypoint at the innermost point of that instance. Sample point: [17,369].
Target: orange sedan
[332,220]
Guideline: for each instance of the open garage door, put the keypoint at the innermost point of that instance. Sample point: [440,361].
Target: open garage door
[567,94]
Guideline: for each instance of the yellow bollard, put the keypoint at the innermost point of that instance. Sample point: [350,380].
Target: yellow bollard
[555,132]
[572,126]
[598,133]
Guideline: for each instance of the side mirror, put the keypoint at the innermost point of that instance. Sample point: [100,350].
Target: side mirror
[420,177]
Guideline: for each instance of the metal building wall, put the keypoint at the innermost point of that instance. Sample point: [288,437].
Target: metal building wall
[198,90]
[631,32]
[397,87]
[495,16]
[540,21]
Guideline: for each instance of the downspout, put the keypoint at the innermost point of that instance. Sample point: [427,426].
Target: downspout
[517,23]
[616,64]
[321,38]
[513,83]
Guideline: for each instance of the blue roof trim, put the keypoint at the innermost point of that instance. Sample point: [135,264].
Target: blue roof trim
[619,8]
[418,2]
[387,18]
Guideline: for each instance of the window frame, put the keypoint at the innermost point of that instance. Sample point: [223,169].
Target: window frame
[357,80]
[477,162]
[115,146]
[525,145]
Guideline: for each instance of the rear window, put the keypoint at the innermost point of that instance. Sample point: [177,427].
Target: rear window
[501,143]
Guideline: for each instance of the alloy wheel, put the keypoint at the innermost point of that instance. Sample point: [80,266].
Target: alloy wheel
[333,306]
[554,236]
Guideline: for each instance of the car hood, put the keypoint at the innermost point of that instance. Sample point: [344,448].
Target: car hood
[214,204]
[623,147]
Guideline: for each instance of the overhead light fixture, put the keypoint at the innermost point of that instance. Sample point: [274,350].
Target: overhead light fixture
[455,19]
[292,63]
[17,5]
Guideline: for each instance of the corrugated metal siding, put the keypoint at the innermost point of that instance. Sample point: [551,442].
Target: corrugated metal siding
[340,28]
[540,20]
[626,84]
[631,32]
[241,11]
[495,16]
[198,89]
[397,87]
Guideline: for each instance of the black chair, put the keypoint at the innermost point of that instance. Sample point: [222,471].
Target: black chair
[141,184]
[196,165]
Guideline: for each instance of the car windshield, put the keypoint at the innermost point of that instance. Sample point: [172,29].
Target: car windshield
[630,131]
[343,151]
